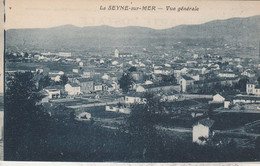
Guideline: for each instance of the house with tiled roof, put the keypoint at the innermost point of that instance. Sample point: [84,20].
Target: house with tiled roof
[186,82]
[86,85]
[246,99]
[180,70]
[158,87]
[53,92]
[118,108]
[218,98]
[249,73]
[227,75]
[98,86]
[72,89]
[253,88]
[134,97]
[107,86]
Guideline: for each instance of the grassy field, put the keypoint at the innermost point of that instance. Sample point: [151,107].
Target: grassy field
[224,121]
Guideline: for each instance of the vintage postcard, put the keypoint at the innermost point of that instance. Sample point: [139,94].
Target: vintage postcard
[171,81]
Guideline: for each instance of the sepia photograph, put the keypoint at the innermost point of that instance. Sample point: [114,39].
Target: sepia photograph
[130,81]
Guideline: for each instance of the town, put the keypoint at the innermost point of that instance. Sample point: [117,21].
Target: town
[95,86]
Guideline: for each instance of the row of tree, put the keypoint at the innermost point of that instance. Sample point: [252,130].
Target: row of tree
[46,81]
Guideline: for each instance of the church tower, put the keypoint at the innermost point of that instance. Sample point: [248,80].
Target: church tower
[116,53]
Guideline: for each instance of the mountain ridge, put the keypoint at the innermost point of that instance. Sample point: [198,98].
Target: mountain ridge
[71,25]
[241,30]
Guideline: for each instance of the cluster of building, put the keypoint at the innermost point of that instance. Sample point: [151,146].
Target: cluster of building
[100,74]
[171,77]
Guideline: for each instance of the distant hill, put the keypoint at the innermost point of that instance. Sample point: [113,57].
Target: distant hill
[235,30]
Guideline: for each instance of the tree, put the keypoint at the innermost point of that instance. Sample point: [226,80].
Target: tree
[210,111]
[169,79]
[154,103]
[125,82]
[72,116]
[242,84]
[141,124]
[26,55]
[26,123]
[44,82]
[62,113]
[63,80]
[132,69]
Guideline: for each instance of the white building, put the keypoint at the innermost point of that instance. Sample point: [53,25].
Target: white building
[226,104]
[186,82]
[53,92]
[115,108]
[111,108]
[101,61]
[167,65]
[124,110]
[88,74]
[105,77]
[75,70]
[195,56]
[218,98]
[134,98]
[72,89]
[246,99]
[249,73]
[252,89]
[115,85]
[227,75]
[114,63]
[98,87]
[83,116]
[64,54]
[39,70]
[171,97]
[201,131]
[204,70]
[81,64]
[196,77]
[148,82]
[140,88]
[116,53]
[162,71]
[57,78]
[56,75]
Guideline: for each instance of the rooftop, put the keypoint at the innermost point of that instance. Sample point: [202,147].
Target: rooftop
[187,77]
[84,80]
[206,122]
[53,87]
[74,84]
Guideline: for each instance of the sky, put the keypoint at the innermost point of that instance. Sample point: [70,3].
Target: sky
[51,13]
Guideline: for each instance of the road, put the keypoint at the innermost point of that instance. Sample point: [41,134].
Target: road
[175,129]
[92,105]
[237,133]
[252,111]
